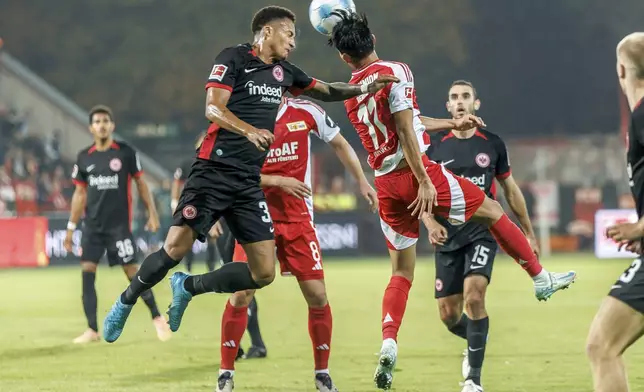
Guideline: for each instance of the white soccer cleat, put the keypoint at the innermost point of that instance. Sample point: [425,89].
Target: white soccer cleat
[163,330]
[469,386]
[225,382]
[386,363]
[89,336]
[465,366]
[551,282]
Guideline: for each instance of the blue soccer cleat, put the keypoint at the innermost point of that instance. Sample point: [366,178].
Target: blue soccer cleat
[555,281]
[180,300]
[115,320]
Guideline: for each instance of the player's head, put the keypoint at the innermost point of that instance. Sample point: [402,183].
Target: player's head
[101,122]
[630,61]
[352,37]
[273,30]
[462,99]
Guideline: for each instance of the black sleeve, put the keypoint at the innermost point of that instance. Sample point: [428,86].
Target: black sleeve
[224,71]
[133,163]
[433,143]
[301,81]
[502,167]
[79,175]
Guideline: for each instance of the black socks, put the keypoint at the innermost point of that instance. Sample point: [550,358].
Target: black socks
[154,268]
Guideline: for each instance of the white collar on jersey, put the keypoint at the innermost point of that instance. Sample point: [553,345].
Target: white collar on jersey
[282,110]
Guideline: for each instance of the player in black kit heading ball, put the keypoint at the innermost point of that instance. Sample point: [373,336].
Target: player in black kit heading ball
[243,94]
[102,174]
[465,253]
[620,320]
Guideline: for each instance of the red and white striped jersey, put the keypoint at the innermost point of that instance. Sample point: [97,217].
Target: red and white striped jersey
[290,156]
[372,114]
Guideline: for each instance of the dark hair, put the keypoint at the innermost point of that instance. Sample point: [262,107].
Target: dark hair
[351,35]
[462,82]
[100,109]
[268,14]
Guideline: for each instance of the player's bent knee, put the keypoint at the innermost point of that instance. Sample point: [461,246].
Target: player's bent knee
[449,311]
[242,298]
[263,277]
[474,302]
[314,292]
[489,212]
[179,241]
[88,266]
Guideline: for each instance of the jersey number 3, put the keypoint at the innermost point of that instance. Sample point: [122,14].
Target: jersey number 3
[629,274]
[369,116]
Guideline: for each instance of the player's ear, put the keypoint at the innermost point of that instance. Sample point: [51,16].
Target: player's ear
[477,104]
[373,37]
[447,107]
[621,71]
[345,57]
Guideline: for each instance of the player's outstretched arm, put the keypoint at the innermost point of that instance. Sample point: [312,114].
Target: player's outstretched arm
[462,124]
[347,155]
[426,192]
[290,185]
[217,112]
[146,196]
[79,200]
[339,91]
[515,199]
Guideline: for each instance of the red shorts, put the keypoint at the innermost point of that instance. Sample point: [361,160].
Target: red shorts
[458,199]
[298,250]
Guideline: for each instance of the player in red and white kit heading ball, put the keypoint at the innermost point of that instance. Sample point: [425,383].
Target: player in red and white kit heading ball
[286,180]
[409,185]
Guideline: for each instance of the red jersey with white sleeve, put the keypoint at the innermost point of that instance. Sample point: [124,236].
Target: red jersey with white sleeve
[372,114]
[290,156]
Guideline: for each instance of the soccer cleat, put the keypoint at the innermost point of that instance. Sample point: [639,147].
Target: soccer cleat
[470,386]
[323,383]
[180,300]
[88,336]
[161,325]
[115,320]
[556,281]
[386,364]
[256,352]
[225,382]
[465,366]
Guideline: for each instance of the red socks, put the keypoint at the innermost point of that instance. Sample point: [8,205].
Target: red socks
[393,306]
[320,326]
[516,245]
[233,325]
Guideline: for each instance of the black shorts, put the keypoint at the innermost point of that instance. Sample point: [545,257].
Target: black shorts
[629,288]
[212,192]
[452,267]
[119,246]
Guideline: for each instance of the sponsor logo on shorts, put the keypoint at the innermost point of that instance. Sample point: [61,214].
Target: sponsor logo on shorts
[189,212]
[278,73]
[439,285]
[115,164]
[483,160]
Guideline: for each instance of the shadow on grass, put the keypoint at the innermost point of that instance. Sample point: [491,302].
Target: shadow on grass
[193,372]
[50,351]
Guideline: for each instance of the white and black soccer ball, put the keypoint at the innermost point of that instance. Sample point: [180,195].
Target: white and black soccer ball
[321,17]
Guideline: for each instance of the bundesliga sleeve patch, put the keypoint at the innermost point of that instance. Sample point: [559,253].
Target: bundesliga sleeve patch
[297,126]
[218,72]
[409,92]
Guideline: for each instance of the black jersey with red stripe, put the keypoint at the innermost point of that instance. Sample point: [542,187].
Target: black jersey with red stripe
[107,175]
[480,158]
[256,92]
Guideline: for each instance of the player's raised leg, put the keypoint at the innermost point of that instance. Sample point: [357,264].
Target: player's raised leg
[233,325]
[160,323]
[512,240]
[607,341]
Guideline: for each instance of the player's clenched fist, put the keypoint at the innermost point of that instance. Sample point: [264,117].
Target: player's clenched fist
[261,138]
[68,243]
[381,83]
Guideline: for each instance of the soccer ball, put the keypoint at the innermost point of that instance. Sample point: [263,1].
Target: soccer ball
[320,13]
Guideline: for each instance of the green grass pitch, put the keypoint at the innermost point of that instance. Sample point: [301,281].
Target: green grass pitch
[532,346]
